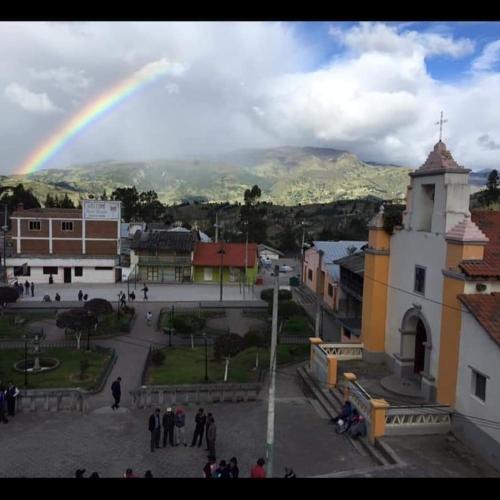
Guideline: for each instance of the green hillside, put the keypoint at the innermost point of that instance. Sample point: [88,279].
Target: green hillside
[287,176]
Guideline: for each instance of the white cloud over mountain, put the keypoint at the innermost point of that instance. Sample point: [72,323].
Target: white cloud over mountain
[232,85]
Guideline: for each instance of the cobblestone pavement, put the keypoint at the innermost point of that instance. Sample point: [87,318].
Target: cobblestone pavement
[55,445]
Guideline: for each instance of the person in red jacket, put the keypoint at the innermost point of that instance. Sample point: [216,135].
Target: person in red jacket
[258,470]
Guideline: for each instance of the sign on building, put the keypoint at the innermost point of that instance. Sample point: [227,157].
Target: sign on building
[101,210]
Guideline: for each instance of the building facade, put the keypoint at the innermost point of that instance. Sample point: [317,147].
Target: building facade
[430,299]
[210,258]
[71,245]
[162,256]
[319,272]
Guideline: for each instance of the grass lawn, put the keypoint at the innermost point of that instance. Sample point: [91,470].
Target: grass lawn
[298,325]
[8,328]
[58,378]
[184,365]
[165,319]
[113,325]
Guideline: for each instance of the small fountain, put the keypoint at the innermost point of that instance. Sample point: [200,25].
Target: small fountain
[34,337]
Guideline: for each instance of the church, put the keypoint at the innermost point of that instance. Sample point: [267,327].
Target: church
[431,299]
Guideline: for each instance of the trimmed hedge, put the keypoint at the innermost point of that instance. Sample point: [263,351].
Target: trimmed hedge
[267,295]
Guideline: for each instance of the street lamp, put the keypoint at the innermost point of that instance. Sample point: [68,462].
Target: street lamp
[206,356]
[4,229]
[222,252]
[303,224]
[171,326]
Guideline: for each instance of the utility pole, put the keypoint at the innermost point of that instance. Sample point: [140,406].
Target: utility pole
[272,373]
[246,261]
[4,229]
[303,223]
[217,226]
[221,251]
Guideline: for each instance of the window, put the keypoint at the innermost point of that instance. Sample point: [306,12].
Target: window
[67,226]
[419,280]
[330,290]
[78,271]
[50,270]
[22,271]
[103,268]
[479,385]
[310,275]
[35,225]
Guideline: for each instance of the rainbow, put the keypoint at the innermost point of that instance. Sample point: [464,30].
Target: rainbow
[94,110]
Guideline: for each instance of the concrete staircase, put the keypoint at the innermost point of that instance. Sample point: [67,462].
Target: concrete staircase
[331,401]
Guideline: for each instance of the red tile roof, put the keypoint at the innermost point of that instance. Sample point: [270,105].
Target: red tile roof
[42,213]
[207,254]
[486,309]
[489,223]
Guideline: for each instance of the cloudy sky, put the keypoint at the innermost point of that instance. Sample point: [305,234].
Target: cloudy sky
[375,89]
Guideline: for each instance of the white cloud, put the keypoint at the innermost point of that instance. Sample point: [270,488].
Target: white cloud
[30,101]
[488,58]
[69,80]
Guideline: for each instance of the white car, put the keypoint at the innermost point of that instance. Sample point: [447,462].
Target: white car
[285,269]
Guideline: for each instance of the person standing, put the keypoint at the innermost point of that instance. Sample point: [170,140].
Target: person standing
[51,280]
[27,286]
[209,416]
[80,296]
[3,418]
[180,427]
[200,422]
[258,471]
[211,436]
[234,472]
[85,297]
[116,390]
[155,429]
[149,317]
[10,397]
[32,289]
[145,290]
[57,298]
[123,300]
[168,427]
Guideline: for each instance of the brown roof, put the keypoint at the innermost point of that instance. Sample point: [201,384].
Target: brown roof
[488,222]
[207,254]
[48,212]
[486,309]
[163,240]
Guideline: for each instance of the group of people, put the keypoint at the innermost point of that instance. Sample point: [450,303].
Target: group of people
[175,423]
[46,298]
[8,397]
[350,420]
[25,289]
[82,296]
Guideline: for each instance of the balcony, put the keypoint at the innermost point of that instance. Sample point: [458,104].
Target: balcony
[164,260]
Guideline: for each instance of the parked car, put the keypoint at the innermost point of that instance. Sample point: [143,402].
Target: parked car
[285,269]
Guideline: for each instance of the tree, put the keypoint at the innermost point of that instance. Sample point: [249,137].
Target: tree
[8,294]
[99,308]
[104,195]
[286,310]
[492,187]
[15,195]
[150,208]
[251,196]
[226,346]
[77,320]
[255,339]
[49,201]
[130,202]
[66,202]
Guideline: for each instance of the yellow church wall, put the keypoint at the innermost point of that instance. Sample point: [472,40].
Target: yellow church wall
[458,252]
[374,302]
[451,323]
[378,239]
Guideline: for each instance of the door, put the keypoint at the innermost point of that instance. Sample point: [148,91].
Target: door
[67,275]
[207,274]
[420,339]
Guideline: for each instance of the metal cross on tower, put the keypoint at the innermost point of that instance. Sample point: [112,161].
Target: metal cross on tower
[440,123]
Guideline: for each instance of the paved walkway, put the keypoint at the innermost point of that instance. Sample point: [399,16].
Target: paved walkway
[157,293]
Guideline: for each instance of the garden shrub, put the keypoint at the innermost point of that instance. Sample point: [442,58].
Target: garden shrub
[267,295]
[228,345]
[157,358]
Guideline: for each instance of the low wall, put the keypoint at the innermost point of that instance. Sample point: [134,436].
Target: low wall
[185,394]
[319,365]
[52,400]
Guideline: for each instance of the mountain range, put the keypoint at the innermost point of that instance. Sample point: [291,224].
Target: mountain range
[286,176]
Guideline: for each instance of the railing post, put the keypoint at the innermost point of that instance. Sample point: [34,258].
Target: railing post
[348,377]
[377,421]
[332,371]
[313,341]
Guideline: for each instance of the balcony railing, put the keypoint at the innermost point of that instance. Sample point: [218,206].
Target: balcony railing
[164,260]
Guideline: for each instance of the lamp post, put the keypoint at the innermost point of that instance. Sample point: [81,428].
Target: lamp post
[4,229]
[25,363]
[171,326]
[221,251]
[206,356]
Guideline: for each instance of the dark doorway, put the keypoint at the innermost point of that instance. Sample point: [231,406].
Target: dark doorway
[420,339]
[67,275]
